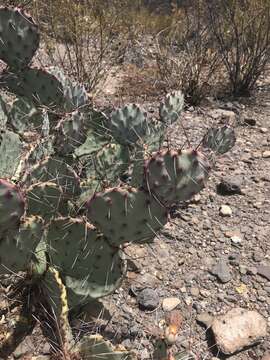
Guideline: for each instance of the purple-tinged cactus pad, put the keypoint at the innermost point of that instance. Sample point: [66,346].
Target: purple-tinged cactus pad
[174,176]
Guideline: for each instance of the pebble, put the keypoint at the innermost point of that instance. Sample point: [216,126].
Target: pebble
[263,130]
[225,211]
[237,329]
[148,299]
[194,291]
[230,186]
[170,304]
[236,239]
[206,319]
[222,271]
[266,154]
[250,121]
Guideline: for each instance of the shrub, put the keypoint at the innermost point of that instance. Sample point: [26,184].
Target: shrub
[241,29]
[185,55]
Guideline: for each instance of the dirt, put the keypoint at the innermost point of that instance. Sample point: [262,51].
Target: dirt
[179,262]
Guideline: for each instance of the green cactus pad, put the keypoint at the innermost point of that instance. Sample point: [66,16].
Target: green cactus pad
[10,153]
[57,171]
[172,107]
[111,161]
[20,247]
[92,144]
[90,266]
[220,140]
[45,199]
[19,37]
[129,124]
[12,206]
[3,113]
[75,95]
[71,133]
[126,215]
[37,85]
[175,176]
[25,116]
[96,347]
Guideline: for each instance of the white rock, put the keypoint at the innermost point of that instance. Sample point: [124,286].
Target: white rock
[225,210]
[171,303]
[263,130]
[237,329]
[266,154]
[236,239]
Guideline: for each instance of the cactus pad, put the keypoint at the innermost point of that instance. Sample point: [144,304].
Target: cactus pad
[57,171]
[10,153]
[75,95]
[126,215]
[20,248]
[128,125]
[172,107]
[19,37]
[90,266]
[45,199]
[219,140]
[12,206]
[175,176]
[96,347]
[37,85]
[71,133]
[25,116]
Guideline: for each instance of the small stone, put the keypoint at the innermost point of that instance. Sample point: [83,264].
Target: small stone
[222,271]
[148,299]
[236,239]
[194,291]
[263,130]
[225,211]
[206,319]
[242,269]
[230,186]
[250,121]
[264,271]
[266,154]
[237,329]
[257,256]
[171,303]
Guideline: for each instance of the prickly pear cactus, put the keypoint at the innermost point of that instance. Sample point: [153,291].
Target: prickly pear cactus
[76,185]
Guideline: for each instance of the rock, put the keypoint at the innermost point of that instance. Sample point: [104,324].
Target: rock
[225,211]
[222,271]
[264,271]
[224,115]
[171,303]
[230,186]
[250,121]
[238,329]
[194,291]
[236,239]
[206,319]
[266,154]
[263,130]
[148,299]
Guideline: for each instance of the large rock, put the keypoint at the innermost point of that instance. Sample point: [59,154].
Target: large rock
[238,329]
